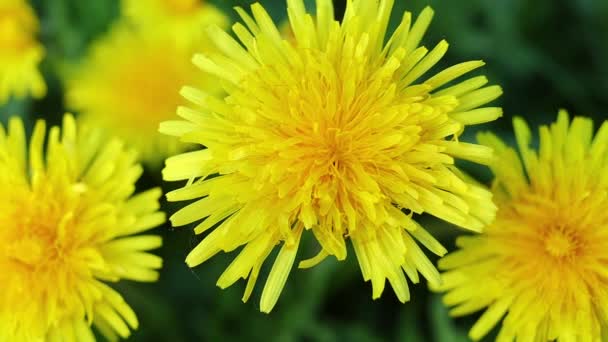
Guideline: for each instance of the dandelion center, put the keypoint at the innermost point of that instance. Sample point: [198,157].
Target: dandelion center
[561,243]
[14,33]
[33,231]
[181,7]
[160,93]
[32,247]
[337,127]
[337,146]
[17,26]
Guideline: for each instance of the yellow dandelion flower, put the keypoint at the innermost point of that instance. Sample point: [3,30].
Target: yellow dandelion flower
[130,83]
[68,219]
[20,52]
[542,263]
[184,19]
[330,133]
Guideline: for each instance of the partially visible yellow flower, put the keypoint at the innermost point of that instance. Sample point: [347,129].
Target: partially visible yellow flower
[185,20]
[68,218]
[334,133]
[541,267]
[130,83]
[20,52]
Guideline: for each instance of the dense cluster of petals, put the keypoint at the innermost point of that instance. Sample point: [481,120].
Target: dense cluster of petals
[20,52]
[70,224]
[334,131]
[540,267]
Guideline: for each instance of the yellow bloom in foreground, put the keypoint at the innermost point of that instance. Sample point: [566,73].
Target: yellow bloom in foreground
[328,133]
[130,83]
[68,216]
[20,53]
[542,263]
[183,19]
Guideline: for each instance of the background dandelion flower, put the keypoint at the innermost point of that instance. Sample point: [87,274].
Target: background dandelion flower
[329,133]
[68,219]
[130,83]
[20,52]
[542,263]
[184,19]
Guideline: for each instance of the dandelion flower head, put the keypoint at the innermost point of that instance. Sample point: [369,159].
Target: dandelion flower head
[20,52]
[332,133]
[183,18]
[69,219]
[540,267]
[130,83]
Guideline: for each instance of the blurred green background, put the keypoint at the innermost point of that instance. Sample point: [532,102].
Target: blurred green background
[546,54]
